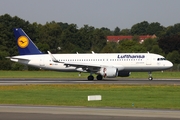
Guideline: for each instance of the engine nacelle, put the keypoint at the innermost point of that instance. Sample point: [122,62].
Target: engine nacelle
[109,72]
[124,74]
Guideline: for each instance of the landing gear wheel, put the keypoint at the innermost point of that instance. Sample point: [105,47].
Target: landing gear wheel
[150,78]
[99,77]
[90,77]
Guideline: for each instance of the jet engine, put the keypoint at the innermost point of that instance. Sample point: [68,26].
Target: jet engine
[109,72]
[124,74]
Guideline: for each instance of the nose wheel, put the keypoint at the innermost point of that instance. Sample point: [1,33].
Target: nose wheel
[150,76]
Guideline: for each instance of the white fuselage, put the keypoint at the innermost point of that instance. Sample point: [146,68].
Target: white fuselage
[122,61]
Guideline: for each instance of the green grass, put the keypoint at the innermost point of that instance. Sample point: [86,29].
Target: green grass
[123,96]
[39,74]
[164,74]
[55,74]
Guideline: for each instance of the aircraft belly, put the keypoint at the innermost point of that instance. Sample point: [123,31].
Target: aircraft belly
[23,61]
[34,63]
[143,68]
[59,67]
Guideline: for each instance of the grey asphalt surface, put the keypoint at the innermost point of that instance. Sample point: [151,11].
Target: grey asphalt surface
[83,113]
[12,81]
[16,112]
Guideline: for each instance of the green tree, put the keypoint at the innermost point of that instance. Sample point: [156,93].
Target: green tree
[70,39]
[174,56]
[98,41]
[156,49]
[149,43]
[169,43]
[117,31]
[7,40]
[110,47]
[173,30]
[140,28]
[130,46]
[106,31]
[125,32]
[85,35]
[5,65]
[154,29]
[49,37]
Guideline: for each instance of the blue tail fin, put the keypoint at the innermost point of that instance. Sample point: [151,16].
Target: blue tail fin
[24,43]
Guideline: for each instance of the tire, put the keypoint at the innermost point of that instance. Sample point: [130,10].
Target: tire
[90,77]
[150,78]
[99,77]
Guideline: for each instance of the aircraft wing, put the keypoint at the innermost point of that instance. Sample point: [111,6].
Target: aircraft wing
[91,67]
[83,66]
[77,64]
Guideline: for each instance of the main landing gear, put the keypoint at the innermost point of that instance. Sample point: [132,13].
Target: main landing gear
[98,77]
[150,76]
[90,77]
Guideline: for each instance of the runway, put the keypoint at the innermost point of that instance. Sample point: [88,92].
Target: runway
[27,112]
[83,113]
[18,81]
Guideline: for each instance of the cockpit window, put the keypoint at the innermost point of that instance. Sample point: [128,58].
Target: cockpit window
[160,59]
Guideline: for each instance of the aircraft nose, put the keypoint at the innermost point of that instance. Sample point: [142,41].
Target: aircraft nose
[169,64]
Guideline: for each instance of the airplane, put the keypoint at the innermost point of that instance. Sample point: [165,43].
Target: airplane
[104,65]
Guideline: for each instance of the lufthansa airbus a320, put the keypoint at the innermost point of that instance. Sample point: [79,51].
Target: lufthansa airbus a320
[104,65]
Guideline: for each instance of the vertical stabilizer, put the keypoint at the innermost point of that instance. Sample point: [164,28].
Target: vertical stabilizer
[24,43]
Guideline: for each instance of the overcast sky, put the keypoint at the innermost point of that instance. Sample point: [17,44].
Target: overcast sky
[97,13]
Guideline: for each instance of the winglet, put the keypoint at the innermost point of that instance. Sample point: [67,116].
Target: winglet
[52,57]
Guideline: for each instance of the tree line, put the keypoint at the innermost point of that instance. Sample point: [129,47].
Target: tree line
[59,37]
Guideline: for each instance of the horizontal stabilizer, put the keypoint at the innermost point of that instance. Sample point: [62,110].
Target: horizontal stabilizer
[19,59]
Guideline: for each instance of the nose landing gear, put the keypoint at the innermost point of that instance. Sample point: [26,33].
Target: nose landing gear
[150,76]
